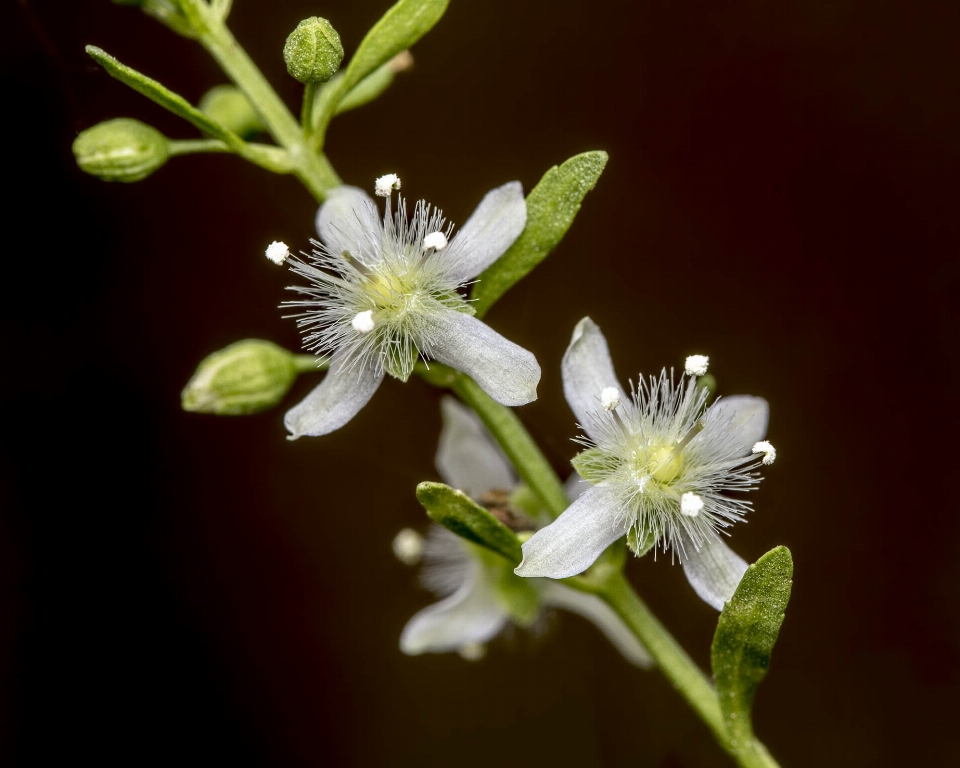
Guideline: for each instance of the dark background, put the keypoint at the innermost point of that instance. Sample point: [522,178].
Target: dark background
[781,195]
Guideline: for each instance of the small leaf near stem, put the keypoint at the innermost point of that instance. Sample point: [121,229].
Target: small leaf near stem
[746,633]
[551,208]
[457,512]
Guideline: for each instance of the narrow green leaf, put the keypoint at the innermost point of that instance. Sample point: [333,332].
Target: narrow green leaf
[745,636]
[399,28]
[163,96]
[551,209]
[456,511]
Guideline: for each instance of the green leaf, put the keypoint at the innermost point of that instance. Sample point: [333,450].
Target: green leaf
[551,209]
[399,28]
[456,511]
[745,636]
[163,96]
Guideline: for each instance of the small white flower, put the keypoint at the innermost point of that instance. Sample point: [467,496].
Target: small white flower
[480,595]
[385,291]
[277,252]
[661,466]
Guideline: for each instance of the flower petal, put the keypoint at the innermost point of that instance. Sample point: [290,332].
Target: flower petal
[505,371]
[334,401]
[749,417]
[594,610]
[348,220]
[587,370]
[572,542]
[466,456]
[490,230]
[470,615]
[714,571]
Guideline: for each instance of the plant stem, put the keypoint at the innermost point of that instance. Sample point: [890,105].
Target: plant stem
[608,583]
[314,171]
[523,452]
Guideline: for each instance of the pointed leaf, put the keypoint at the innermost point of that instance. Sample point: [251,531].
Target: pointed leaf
[456,511]
[745,636]
[399,28]
[163,96]
[551,208]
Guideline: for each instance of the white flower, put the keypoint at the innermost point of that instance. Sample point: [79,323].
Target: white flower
[385,291]
[480,594]
[661,465]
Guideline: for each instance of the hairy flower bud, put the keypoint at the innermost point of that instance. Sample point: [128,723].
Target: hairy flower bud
[247,377]
[313,51]
[122,149]
[229,106]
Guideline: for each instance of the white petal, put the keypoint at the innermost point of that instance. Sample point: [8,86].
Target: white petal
[750,416]
[587,370]
[470,615]
[714,572]
[466,455]
[594,610]
[490,230]
[334,401]
[574,486]
[348,220]
[505,371]
[572,542]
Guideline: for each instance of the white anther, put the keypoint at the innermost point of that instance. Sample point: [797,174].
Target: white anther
[696,365]
[363,321]
[435,240]
[385,184]
[277,252]
[690,504]
[766,448]
[610,398]
[408,546]
[473,651]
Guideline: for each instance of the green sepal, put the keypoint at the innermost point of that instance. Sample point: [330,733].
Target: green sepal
[552,206]
[592,464]
[457,512]
[398,29]
[745,636]
[367,89]
[229,107]
[638,547]
[163,96]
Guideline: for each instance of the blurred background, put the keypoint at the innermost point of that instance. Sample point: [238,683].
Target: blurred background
[780,195]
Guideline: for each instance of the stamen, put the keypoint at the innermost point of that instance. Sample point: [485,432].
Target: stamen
[690,505]
[363,321]
[768,451]
[435,240]
[695,430]
[610,398]
[696,365]
[277,252]
[408,546]
[386,184]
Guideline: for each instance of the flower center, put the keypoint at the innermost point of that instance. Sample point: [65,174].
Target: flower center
[664,462]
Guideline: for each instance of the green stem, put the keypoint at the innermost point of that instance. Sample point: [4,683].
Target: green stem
[523,452]
[310,363]
[193,146]
[315,173]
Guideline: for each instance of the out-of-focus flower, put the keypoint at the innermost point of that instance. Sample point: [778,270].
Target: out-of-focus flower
[481,595]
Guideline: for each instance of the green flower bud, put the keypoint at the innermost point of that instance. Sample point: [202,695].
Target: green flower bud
[313,51]
[121,150]
[229,106]
[247,377]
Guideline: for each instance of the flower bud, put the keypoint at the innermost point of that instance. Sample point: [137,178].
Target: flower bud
[313,51]
[247,377]
[121,150]
[229,106]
